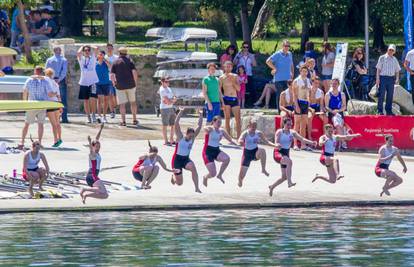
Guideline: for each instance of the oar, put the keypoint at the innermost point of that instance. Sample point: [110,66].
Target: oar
[115,185]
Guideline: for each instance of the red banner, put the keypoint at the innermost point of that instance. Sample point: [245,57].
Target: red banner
[372,129]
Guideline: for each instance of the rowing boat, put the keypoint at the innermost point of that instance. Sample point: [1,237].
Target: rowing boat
[12,83]
[184,74]
[188,55]
[174,34]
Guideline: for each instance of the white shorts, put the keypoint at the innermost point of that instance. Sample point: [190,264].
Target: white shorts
[125,96]
[33,116]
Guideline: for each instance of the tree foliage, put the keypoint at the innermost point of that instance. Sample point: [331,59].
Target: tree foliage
[164,10]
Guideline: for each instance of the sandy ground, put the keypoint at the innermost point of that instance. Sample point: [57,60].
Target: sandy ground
[121,147]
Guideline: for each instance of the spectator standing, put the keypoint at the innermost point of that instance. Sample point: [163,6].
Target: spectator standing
[3,15]
[310,53]
[357,74]
[228,55]
[335,105]
[388,70]
[102,86]
[167,110]
[124,76]
[35,88]
[88,79]
[282,69]
[111,57]
[212,94]
[248,61]
[15,27]
[4,27]
[59,65]
[54,114]
[43,26]
[328,61]
[409,66]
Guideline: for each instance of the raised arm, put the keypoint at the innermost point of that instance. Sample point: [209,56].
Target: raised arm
[79,53]
[177,127]
[98,135]
[200,123]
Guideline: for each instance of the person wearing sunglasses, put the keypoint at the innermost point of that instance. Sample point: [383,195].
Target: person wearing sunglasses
[248,61]
[282,69]
[167,109]
[357,74]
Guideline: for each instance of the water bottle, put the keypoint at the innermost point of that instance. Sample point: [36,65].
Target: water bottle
[14,173]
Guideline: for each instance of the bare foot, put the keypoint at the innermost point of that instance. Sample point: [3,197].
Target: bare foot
[172,180]
[205,179]
[83,199]
[30,191]
[81,192]
[265,173]
[146,187]
[271,190]
[41,188]
[316,178]
[291,185]
[340,177]
[198,190]
[240,184]
[221,179]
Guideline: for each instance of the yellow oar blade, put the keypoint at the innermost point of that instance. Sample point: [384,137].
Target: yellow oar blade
[20,105]
[5,51]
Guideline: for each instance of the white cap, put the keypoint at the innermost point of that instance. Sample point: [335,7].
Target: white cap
[392,47]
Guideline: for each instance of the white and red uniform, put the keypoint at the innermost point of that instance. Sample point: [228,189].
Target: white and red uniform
[385,164]
[181,155]
[328,149]
[211,148]
[285,141]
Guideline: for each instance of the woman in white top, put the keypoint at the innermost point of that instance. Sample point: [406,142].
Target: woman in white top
[317,105]
[167,110]
[328,142]
[54,114]
[181,159]
[250,139]
[31,170]
[328,62]
[386,153]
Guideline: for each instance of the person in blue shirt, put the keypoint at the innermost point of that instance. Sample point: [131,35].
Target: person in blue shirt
[3,16]
[15,27]
[282,69]
[102,86]
[59,64]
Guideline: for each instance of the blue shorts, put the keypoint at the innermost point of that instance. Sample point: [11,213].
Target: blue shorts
[326,77]
[212,113]
[102,89]
[112,90]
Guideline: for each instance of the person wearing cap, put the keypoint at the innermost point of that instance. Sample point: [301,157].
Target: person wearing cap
[59,64]
[124,77]
[168,100]
[409,66]
[388,70]
[111,58]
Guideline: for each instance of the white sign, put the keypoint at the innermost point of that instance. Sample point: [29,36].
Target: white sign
[340,61]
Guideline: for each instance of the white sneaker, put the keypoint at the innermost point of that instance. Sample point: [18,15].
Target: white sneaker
[93,118]
[112,115]
[105,120]
[89,120]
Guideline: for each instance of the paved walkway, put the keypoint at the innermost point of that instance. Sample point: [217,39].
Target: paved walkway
[121,149]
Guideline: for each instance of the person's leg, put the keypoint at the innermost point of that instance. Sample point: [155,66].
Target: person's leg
[296,127]
[288,162]
[164,134]
[63,96]
[42,177]
[237,119]
[93,102]
[242,174]
[302,131]
[134,110]
[122,110]
[412,87]
[262,96]
[58,126]
[172,134]
[105,105]
[33,178]
[52,118]
[381,95]
[227,116]
[194,175]
[280,86]
[40,129]
[100,105]
[309,126]
[261,155]
[86,107]
[390,96]
[13,41]
[225,161]
[279,181]
[329,163]
[153,175]
[97,191]
[212,172]
[250,88]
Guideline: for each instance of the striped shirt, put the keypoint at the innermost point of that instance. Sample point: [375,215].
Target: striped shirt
[388,65]
[410,58]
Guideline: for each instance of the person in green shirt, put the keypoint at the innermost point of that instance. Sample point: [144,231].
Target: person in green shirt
[211,93]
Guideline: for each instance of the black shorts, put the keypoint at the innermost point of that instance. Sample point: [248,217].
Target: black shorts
[291,108]
[278,154]
[33,170]
[249,156]
[137,175]
[316,107]
[102,89]
[303,106]
[210,154]
[89,178]
[52,110]
[85,92]
[180,162]
[230,101]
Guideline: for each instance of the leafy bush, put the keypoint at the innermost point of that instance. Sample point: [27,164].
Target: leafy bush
[214,19]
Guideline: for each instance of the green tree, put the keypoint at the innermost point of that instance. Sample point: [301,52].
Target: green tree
[165,11]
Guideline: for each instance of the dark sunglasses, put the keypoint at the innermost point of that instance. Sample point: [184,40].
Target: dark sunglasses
[286,45]
[246,47]
[87,50]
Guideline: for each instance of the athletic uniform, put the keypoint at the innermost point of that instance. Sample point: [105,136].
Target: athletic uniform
[335,102]
[385,164]
[318,95]
[231,101]
[182,154]
[285,141]
[142,163]
[303,94]
[94,167]
[328,150]
[287,99]
[32,164]
[211,148]
[250,148]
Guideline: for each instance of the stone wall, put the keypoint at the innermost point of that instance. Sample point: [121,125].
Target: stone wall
[146,89]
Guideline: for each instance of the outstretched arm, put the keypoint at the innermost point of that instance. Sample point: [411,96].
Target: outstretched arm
[347,137]
[98,135]
[229,138]
[241,138]
[266,141]
[177,127]
[200,123]
[303,139]
[401,160]
[163,165]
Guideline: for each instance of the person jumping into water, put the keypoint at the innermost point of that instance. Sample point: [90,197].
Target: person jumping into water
[284,138]
[212,152]
[181,159]
[386,153]
[250,139]
[146,169]
[328,143]
[97,187]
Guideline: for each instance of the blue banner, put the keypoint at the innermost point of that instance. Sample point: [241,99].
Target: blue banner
[408,31]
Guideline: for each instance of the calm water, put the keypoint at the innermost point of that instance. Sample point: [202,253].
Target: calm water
[295,237]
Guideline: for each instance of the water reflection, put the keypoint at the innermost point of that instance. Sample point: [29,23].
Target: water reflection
[305,237]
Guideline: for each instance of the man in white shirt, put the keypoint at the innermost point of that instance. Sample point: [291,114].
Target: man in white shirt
[88,79]
[111,57]
[388,70]
[167,110]
[409,66]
